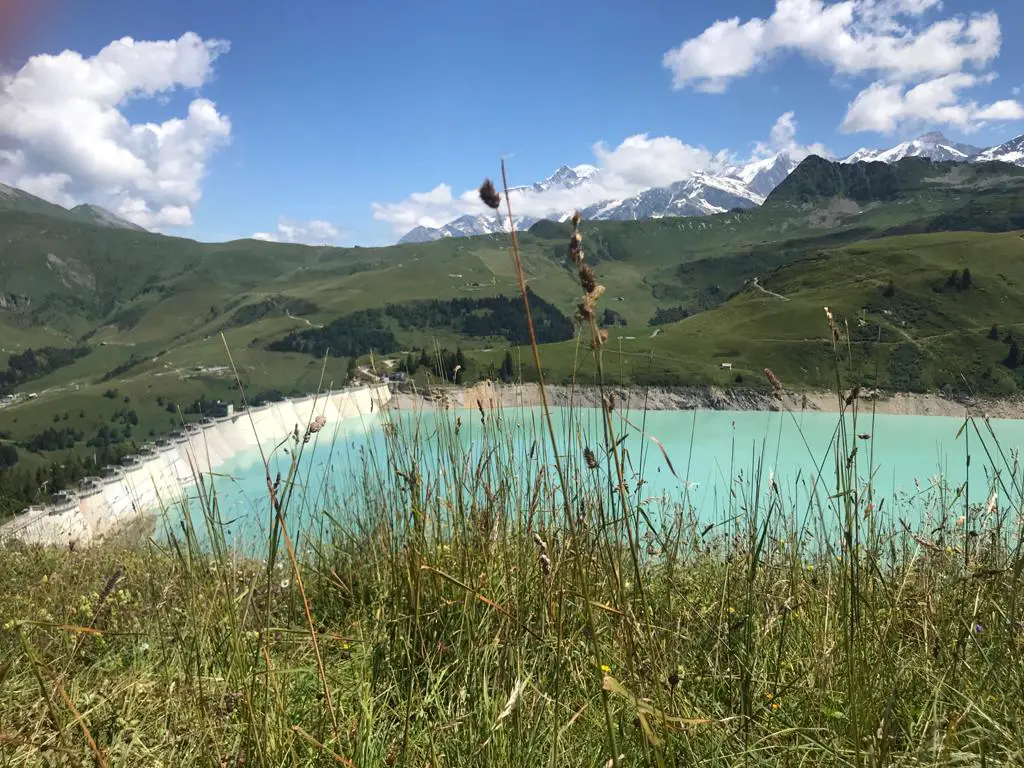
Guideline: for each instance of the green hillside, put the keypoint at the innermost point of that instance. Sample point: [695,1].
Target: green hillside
[107,310]
[909,321]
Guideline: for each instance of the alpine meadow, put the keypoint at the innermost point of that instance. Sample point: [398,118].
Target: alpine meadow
[674,457]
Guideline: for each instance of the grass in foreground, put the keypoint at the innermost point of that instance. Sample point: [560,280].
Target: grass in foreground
[451,628]
[483,599]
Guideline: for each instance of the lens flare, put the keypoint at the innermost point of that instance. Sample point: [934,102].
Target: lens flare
[15,16]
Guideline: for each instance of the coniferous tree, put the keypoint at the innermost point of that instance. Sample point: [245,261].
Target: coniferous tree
[1013,357]
[508,370]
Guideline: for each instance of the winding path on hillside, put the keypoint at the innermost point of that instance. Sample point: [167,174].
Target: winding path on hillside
[766,292]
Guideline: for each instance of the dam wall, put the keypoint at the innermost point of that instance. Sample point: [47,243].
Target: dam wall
[160,475]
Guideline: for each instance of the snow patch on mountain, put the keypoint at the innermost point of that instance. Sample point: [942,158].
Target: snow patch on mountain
[1010,152]
[933,146]
[702,193]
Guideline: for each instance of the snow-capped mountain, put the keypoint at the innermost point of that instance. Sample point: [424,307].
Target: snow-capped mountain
[566,177]
[700,195]
[1010,152]
[704,192]
[743,186]
[490,223]
[932,145]
[762,176]
[494,222]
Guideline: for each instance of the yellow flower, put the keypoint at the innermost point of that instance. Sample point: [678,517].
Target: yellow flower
[769,695]
[775,706]
[606,669]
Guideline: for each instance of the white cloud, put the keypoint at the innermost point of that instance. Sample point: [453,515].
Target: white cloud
[314,232]
[918,68]
[1004,109]
[783,139]
[642,162]
[854,37]
[638,163]
[63,134]
[887,107]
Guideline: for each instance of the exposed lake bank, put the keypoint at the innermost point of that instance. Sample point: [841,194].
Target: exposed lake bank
[490,395]
[161,474]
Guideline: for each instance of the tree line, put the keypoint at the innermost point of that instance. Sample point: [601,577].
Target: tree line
[371,330]
[33,363]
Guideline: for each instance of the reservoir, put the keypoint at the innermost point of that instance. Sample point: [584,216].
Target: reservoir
[710,467]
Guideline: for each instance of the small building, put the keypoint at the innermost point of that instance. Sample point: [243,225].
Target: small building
[726,366]
[222,410]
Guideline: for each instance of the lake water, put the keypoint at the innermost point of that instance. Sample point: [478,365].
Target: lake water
[721,459]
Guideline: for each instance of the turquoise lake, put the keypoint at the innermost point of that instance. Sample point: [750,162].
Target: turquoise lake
[713,453]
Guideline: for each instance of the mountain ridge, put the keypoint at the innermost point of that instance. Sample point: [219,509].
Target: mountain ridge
[743,185]
[13,198]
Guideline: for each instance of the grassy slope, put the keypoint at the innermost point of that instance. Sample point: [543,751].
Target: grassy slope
[441,638]
[942,334]
[164,301]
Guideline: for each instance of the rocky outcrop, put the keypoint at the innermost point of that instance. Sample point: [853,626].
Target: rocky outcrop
[15,302]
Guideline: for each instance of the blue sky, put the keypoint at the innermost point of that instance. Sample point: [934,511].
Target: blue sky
[315,111]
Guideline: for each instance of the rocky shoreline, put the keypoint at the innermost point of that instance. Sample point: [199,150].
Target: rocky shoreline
[490,395]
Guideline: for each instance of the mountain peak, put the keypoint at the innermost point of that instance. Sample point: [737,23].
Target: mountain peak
[104,218]
[722,189]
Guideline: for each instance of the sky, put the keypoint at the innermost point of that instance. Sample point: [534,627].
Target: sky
[350,123]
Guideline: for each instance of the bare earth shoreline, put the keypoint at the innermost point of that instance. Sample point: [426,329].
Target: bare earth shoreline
[490,395]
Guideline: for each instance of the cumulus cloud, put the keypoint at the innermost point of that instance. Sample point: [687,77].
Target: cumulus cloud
[917,68]
[853,37]
[314,232]
[886,107]
[64,136]
[638,163]
[783,139]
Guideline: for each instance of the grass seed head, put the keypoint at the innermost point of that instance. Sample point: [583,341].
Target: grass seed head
[490,195]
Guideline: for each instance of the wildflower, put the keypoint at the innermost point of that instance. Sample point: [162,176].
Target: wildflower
[769,695]
[775,706]
[285,583]
[978,629]
[606,669]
